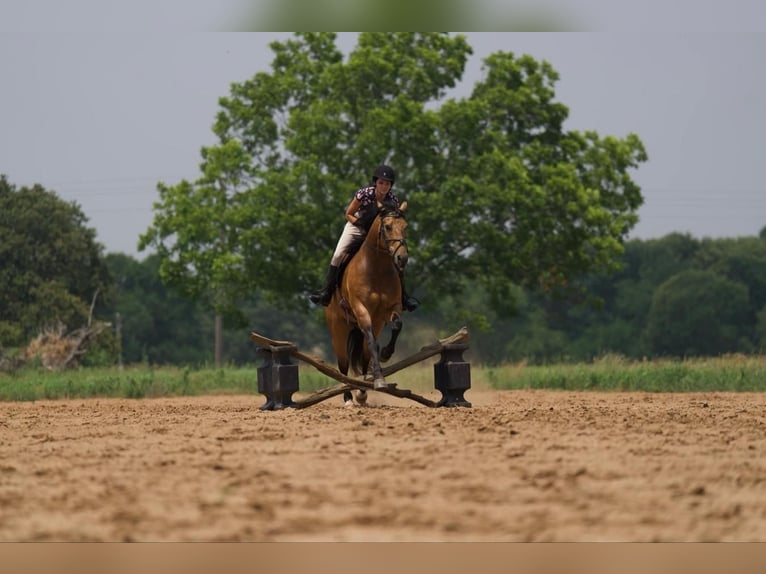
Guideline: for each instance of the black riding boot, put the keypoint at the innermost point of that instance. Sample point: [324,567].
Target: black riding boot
[409,303]
[324,296]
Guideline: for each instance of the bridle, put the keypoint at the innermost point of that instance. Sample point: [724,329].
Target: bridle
[388,240]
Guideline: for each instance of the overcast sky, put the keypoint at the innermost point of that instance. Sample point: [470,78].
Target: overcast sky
[101,113]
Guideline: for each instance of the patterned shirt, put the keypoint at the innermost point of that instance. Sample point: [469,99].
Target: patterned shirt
[369,205]
[366,196]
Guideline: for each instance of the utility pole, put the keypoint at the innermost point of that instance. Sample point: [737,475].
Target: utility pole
[118,336]
[218,340]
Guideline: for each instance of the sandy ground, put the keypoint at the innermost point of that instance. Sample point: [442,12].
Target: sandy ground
[517,466]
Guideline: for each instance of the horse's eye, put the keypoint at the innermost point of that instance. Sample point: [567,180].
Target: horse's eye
[388,227]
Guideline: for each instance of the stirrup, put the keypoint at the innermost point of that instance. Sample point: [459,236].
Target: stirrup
[410,303]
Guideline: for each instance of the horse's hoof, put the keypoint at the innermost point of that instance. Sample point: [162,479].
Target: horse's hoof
[383,384]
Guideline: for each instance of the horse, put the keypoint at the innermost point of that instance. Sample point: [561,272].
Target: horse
[369,297]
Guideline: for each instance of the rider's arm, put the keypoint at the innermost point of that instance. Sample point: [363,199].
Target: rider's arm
[351,210]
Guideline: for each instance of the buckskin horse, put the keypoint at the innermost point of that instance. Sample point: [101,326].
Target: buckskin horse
[368,298]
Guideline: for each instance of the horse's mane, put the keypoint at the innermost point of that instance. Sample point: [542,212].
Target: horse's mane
[389,209]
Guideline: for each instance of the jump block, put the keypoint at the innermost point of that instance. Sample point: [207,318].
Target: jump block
[452,376]
[278,377]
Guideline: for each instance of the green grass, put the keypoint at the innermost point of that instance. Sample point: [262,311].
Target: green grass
[613,373]
[731,373]
[134,382]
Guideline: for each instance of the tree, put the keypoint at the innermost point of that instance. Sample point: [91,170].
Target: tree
[498,189]
[697,313]
[198,233]
[626,296]
[158,325]
[51,267]
[741,259]
[267,15]
[519,199]
[536,341]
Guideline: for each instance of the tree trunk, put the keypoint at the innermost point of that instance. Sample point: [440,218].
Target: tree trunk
[218,340]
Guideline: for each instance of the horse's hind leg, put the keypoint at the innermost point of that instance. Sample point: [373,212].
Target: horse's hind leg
[396,327]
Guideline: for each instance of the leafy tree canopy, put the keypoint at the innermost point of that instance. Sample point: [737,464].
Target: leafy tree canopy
[51,266]
[157,325]
[499,191]
[697,313]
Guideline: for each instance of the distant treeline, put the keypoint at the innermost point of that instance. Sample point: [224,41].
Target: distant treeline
[677,296]
[64,303]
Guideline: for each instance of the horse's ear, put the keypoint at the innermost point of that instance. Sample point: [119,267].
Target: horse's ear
[380,205]
[403,207]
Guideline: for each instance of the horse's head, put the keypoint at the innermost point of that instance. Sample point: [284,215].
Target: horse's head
[392,235]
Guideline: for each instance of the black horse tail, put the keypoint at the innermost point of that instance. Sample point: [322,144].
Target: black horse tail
[355,350]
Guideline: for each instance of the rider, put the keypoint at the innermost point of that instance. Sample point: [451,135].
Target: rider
[360,214]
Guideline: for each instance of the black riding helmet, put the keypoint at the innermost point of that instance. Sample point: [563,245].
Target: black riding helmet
[384,172]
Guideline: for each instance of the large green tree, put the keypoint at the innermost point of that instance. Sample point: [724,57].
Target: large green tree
[499,191]
[51,266]
[157,325]
[698,313]
[741,259]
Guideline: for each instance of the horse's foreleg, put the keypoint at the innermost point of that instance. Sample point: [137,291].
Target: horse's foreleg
[372,349]
[396,327]
[378,381]
[348,398]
